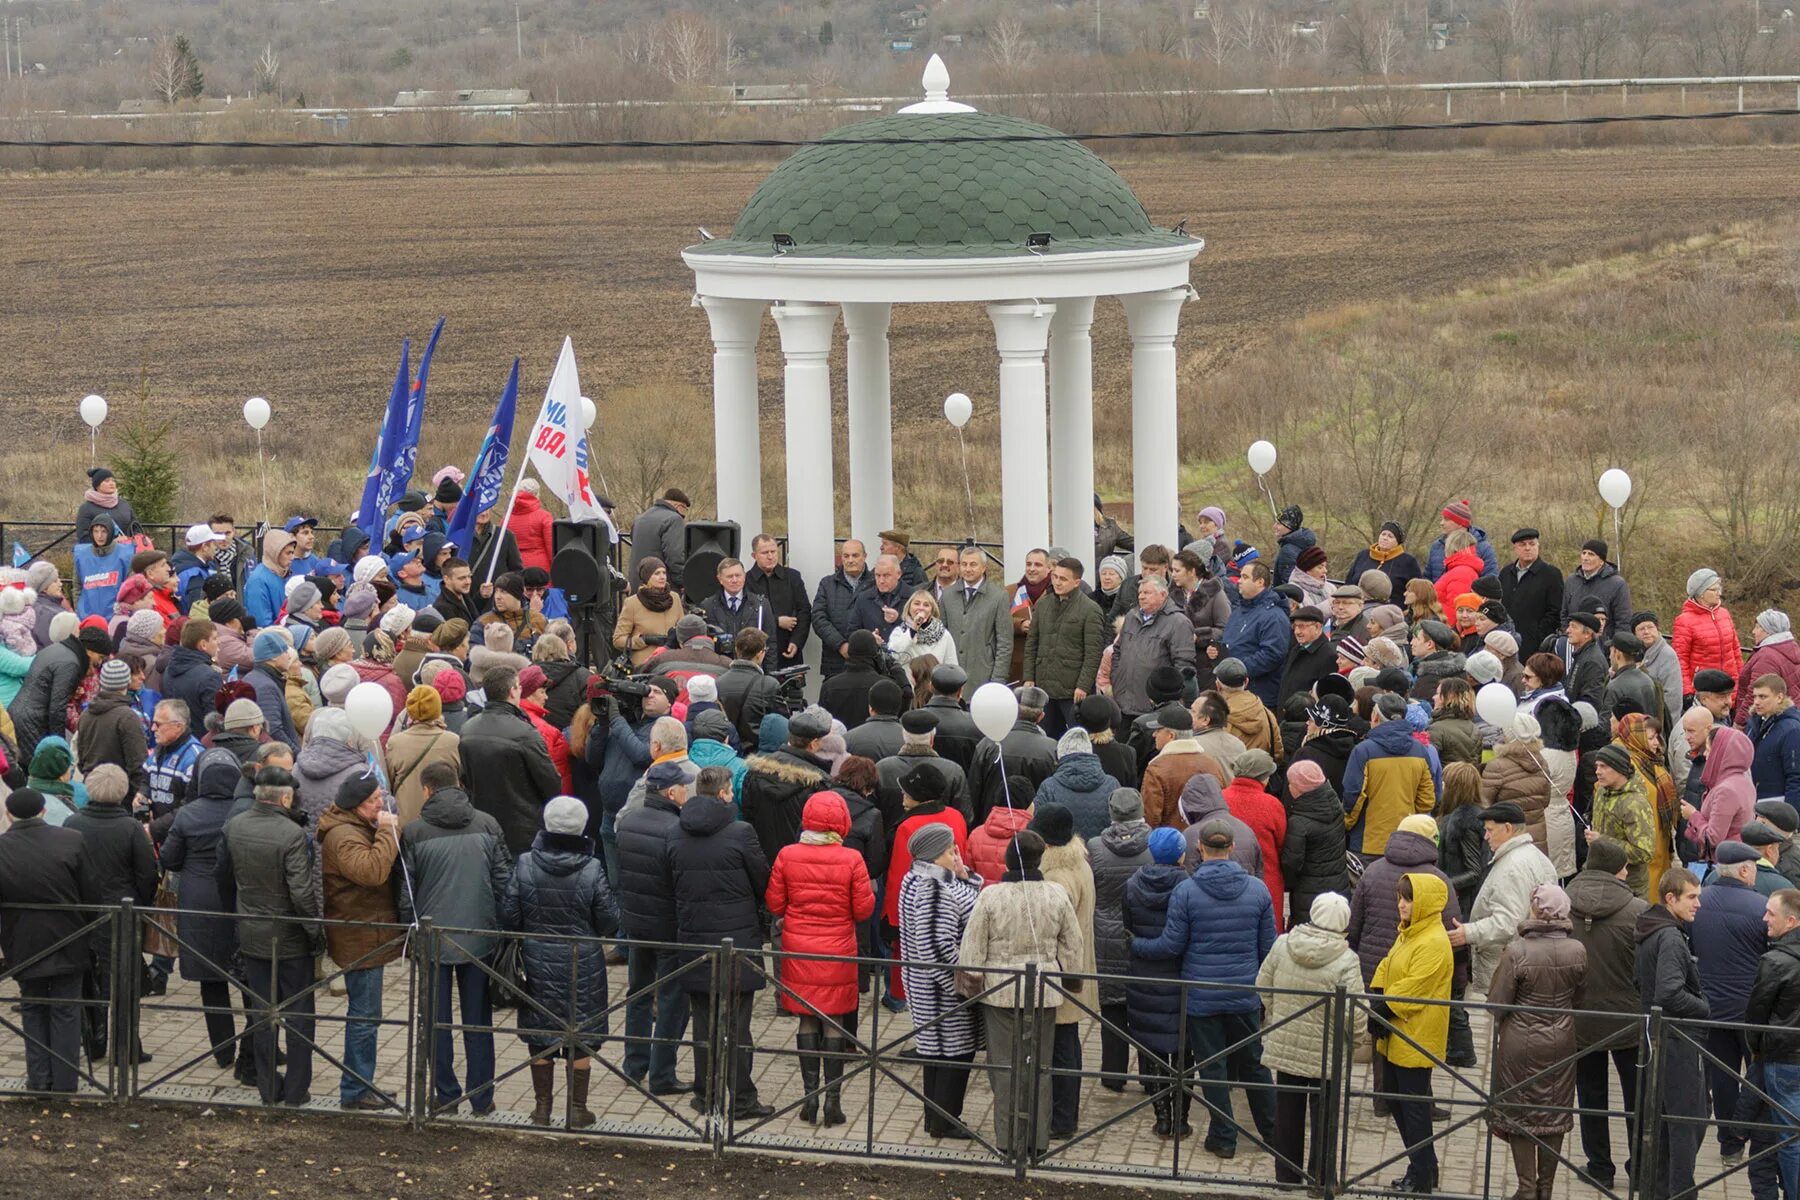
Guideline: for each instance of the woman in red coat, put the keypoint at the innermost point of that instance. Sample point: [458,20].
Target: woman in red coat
[1462,567]
[532,527]
[1705,638]
[819,891]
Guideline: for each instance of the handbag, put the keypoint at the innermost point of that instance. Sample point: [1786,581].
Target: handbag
[509,965]
[158,939]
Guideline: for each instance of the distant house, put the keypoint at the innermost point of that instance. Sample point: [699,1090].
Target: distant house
[487,98]
[912,18]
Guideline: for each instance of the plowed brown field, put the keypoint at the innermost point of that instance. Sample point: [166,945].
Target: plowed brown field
[214,286]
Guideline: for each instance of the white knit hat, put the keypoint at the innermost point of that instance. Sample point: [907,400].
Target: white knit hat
[565,814]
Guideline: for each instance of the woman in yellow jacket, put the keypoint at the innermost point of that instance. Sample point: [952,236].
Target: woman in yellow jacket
[1417,968]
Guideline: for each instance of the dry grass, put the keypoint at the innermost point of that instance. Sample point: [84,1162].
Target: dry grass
[190,291]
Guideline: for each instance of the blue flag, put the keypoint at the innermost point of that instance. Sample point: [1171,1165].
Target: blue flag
[487,478]
[406,454]
[393,427]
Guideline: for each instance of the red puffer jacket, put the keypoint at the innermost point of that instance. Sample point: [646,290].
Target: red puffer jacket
[1705,639]
[820,893]
[533,529]
[1461,570]
[1263,813]
[988,842]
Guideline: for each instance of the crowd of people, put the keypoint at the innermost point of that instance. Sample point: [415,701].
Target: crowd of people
[1234,785]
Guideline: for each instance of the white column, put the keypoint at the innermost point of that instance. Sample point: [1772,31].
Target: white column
[806,331]
[871,426]
[737,441]
[1072,429]
[1153,318]
[1022,330]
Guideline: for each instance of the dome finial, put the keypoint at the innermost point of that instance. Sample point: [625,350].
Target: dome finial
[937,91]
[936,79]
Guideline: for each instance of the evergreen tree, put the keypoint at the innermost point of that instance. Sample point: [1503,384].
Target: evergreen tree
[195,82]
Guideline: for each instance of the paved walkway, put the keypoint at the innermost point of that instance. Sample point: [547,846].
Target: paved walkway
[1472,1162]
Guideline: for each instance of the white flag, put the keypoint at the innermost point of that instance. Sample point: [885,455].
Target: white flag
[559,448]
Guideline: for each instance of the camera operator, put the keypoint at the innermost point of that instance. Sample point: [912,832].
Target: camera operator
[747,693]
[628,708]
[694,647]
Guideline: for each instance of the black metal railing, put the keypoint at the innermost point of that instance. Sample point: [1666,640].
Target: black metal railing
[876,1066]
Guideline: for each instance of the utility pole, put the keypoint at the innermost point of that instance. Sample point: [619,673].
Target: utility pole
[519,31]
[6,45]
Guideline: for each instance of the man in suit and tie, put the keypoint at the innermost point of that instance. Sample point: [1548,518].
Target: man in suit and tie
[787,598]
[979,617]
[732,607]
[944,576]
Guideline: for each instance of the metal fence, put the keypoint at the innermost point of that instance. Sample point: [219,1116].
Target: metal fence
[1326,1141]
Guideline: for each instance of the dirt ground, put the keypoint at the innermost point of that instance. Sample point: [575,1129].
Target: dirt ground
[73,1152]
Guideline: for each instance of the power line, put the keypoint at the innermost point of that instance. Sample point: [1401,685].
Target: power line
[1143,135]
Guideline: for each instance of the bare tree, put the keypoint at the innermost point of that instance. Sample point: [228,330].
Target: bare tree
[1593,36]
[1008,44]
[266,72]
[1492,34]
[1374,37]
[1280,42]
[169,74]
[689,49]
[1216,44]
[1645,37]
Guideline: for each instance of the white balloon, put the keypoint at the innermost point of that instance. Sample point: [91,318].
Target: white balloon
[93,410]
[957,409]
[1615,487]
[588,413]
[1262,457]
[256,412]
[370,709]
[995,709]
[1496,704]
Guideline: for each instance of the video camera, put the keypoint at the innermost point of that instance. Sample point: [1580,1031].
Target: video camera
[628,693]
[793,687]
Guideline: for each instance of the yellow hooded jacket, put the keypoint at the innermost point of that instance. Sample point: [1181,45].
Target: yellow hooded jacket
[1418,968]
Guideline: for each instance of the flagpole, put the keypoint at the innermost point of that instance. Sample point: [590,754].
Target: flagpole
[500,533]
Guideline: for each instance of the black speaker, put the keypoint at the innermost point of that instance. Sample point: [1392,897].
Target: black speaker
[708,543]
[589,535]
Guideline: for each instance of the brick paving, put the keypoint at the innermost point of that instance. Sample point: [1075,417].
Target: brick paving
[1472,1162]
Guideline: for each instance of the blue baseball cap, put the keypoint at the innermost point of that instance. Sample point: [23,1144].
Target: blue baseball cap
[294,523]
[396,561]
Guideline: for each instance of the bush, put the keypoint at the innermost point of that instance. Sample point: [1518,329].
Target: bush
[145,466]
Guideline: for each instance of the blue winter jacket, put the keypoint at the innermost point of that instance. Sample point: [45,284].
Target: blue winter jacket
[1258,635]
[1776,768]
[1153,1011]
[264,594]
[627,758]
[1081,785]
[1490,565]
[559,887]
[99,574]
[1221,926]
[1288,555]
[1729,940]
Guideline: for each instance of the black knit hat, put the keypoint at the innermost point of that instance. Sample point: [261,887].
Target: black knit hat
[1616,757]
[1025,852]
[1164,684]
[448,491]
[1054,823]
[1097,713]
[1713,681]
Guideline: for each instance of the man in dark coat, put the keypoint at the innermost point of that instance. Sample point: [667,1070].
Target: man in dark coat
[785,591]
[506,764]
[720,875]
[41,864]
[1532,591]
[845,695]
[646,894]
[956,736]
[1024,751]
[191,676]
[456,865]
[269,869]
[979,617]
[1628,688]
[1729,940]
[482,554]
[42,704]
[1774,1006]
[879,734]
[1668,978]
[734,607]
[1775,730]
[881,609]
[1258,633]
[111,731]
[777,784]
[1585,679]
[1311,656]
[1597,585]
[118,858]
[1064,644]
[834,606]
[1605,913]
[747,693]
[918,729]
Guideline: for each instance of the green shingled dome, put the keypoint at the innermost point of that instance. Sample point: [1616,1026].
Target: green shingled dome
[857,196]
